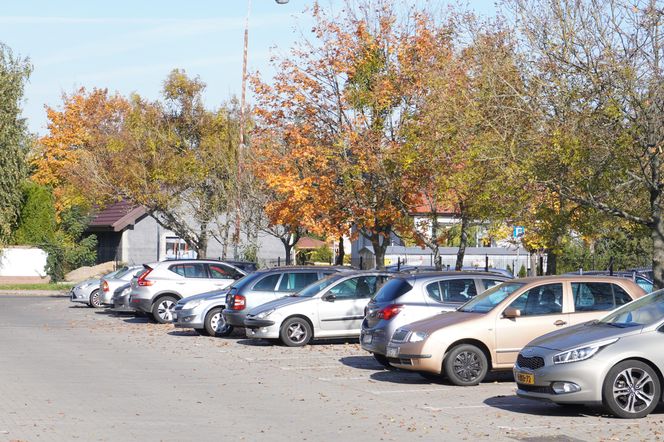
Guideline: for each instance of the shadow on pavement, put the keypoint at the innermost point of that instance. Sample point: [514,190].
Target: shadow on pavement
[362,362]
[401,377]
[138,320]
[515,404]
[186,332]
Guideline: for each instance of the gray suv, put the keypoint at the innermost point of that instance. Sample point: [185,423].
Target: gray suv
[409,298]
[265,285]
[162,284]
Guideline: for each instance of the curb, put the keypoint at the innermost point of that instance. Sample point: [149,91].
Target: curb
[42,293]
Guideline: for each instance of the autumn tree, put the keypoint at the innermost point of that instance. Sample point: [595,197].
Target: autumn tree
[14,138]
[595,81]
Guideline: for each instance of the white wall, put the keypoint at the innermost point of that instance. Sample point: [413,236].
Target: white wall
[22,261]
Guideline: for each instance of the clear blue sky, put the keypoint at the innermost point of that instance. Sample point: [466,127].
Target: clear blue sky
[130,46]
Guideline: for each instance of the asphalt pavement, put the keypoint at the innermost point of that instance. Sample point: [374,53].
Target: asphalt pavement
[72,373]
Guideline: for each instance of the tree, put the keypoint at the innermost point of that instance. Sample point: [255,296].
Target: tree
[14,138]
[36,222]
[595,79]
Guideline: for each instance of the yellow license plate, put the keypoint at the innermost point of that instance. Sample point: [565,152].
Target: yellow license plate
[525,378]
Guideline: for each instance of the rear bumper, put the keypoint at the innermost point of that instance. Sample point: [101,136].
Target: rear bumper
[374,341]
[106,298]
[234,318]
[140,304]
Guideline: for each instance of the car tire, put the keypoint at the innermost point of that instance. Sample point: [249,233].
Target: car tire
[382,360]
[631,390]
[161,310]
[295,332]
[465,365]
[215,325]
[95,299]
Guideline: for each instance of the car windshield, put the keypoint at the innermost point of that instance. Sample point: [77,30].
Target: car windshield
[488,300]
[314,288]
[122,272]
[114,274]
[643,311]
[251,277]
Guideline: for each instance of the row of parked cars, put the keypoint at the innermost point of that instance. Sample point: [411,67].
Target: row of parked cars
[572,339]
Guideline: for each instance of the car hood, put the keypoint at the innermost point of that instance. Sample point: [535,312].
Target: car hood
[447,319]
[582,334]
[278,303]
[207,295]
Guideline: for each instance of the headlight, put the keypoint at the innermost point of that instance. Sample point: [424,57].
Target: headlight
[417,336]
[192,304]
[581,353]
[265,314]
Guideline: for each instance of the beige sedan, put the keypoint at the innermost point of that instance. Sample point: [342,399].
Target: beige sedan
[488,331]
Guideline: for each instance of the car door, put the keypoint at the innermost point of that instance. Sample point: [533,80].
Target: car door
[194,278]
[341,308]
[592,300]
[542,308]
[221,276]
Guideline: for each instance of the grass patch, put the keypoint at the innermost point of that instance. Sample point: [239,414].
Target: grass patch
[36,286]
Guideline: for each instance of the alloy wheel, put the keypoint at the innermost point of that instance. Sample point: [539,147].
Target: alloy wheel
[633,390]
[165,310]
[296,332]
[217,322]
[467,366]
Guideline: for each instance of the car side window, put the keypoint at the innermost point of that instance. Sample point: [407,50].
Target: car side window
[598,296]
[545,299]
[179,269]
[452,290]
[291,282]
[220,271]
[644,284]
[355,288]
[193,270]
[268,283]
[488,283]
[433,290]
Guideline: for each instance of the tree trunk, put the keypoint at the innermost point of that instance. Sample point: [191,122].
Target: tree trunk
[436,258]
[462,244]
[551,262]
[340,256]
[657,234]
[379,245]
[202,242]
[225,230]
[288,247]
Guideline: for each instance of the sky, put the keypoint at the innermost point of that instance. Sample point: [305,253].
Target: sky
[131,46]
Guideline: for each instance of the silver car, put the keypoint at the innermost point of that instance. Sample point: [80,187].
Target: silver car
[330,308]
[411,297]
[616,361]
[203,313]
[88,291]
[110,283]
[156,290]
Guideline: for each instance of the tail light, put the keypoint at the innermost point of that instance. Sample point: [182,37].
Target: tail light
[390,311]
[104,286]
[239,302]
[142,282]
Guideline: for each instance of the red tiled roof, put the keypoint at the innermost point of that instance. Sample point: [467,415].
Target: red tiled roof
[117,216]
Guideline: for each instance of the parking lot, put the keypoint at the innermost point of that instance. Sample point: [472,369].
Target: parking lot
[73,373]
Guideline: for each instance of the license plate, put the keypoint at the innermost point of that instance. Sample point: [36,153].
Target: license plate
[525,378]
[366,339]
[392,352]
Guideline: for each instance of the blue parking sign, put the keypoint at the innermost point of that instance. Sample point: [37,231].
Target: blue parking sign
[519,231]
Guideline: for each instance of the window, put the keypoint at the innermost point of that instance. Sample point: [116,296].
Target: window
[177,248]
[392,290]
[488,283]
[355,288]
[193,270]
[598,296]
[543,300]
[292,282]
[644,284]
[452,290]
[219,271]
[268,283]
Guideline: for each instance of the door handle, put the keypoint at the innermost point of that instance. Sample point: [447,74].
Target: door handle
[558,323]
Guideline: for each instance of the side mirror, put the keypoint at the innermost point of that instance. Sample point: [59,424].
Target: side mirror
[511,313]
[329,297]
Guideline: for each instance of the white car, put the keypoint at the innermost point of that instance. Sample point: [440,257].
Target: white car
[88,291]
[110,283]
[333,307]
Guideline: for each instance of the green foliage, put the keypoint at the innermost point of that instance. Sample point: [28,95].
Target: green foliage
[14,138]
[249,253]
[69,248]
[321,254]
[522,272]
[36,223]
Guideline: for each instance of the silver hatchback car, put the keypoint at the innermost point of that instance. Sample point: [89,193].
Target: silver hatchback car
[411,297]
[330,308]
[616,361]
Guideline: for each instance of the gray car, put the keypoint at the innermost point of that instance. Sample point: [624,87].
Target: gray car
[88,291]
[330,308]
[409,298]
[266,285]
[616,361]
[110,283]
[203,313]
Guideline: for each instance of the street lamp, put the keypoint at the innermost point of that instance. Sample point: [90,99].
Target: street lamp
[243,98]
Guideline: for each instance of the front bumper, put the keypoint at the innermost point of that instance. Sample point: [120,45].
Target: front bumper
[234,318]
[412,356]
[79,295]
[261,328]
[586,374]
[188,318]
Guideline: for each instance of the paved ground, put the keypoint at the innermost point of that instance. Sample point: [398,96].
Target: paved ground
[69,372]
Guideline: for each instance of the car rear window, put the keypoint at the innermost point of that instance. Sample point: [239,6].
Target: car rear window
[392,290]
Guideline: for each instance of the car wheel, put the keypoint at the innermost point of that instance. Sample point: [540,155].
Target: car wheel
[162,309]
[382,360]
[215,324]
[295,332]
[465,365]
[631,390]
[95,299]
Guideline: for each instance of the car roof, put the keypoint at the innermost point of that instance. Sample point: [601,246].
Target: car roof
[439,274]
[562,278]
[304,269]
